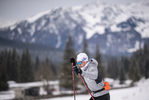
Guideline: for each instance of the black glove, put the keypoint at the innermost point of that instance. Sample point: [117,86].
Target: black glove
[72,60]
[77,70]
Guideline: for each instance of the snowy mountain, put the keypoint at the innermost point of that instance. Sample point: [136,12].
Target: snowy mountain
[116,29]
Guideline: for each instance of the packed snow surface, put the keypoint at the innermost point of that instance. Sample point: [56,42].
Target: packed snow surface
[139,92]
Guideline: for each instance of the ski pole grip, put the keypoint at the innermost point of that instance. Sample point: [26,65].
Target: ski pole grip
[73,61]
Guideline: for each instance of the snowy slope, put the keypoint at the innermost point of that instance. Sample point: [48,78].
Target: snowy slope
[139,92]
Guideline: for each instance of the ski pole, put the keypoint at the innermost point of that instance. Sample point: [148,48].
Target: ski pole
[73,82]
[86,87]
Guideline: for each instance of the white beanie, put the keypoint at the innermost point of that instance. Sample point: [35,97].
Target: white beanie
[82,57]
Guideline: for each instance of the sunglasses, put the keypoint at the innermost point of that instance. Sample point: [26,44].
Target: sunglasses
[79,63]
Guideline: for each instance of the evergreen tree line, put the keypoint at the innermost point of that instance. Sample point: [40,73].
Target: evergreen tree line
[134,67]
[23,69]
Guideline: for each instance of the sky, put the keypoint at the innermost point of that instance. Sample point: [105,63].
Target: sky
[12,11]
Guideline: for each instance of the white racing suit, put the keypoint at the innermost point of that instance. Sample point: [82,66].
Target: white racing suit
[93,79]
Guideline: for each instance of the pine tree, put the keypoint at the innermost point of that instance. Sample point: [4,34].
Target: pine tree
[44,71]
[142,58]
[23,73]
[3,79]
[26,68]
[125,63]
[134,72]
[3,74]
[37,62]
[100,62]
[8,66]
[48,64]
[146,58]
[122,75]
[85,47]
[124,68]
[5,55]
[15,66]
[113,68]
[66,75]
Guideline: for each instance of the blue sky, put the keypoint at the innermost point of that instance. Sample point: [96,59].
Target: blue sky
[15,10]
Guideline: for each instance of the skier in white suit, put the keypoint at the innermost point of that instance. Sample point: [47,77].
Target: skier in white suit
[88,69]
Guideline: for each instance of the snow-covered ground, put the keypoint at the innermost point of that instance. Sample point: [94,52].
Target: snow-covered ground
[7,95]
[139,92]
